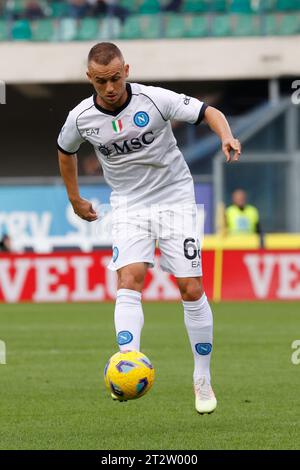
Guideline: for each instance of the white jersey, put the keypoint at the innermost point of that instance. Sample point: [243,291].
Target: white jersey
[135,144]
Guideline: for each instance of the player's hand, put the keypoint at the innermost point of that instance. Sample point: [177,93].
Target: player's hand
[84,210]
[230,146]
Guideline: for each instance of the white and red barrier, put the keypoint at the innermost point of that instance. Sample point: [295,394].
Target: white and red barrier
[261,274]
[72,276]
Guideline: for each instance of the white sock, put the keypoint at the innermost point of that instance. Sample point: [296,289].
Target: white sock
[199,324]
[129,319]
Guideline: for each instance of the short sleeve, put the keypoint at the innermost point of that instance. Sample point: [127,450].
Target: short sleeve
[69,139]
[177,106]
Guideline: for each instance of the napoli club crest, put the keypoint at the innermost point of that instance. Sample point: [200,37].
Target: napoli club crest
[141,119]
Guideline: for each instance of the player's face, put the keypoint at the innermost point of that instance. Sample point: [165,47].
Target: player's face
[109,82]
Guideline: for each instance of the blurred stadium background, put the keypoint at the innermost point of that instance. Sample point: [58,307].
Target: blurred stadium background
[237,55]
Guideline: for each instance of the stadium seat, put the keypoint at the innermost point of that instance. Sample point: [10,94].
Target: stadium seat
[59,9]
[131,28]
[109,28]
[240,6]
[264,6]
[197,26]
[286,5]
[269,24]
[21,30]
[218,6]
[289,25]
[68,29]
[88,29]
[194,6]
[151,26]
[142,26]
[174,26]
[42,30]
[245,25]
[3,30]
[149,7]
[205,6]
[221,25]
[130,5]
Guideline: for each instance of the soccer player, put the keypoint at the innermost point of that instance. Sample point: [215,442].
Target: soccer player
[152,193]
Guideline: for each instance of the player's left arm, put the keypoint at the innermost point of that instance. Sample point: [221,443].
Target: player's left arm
[219,124]
[184,108]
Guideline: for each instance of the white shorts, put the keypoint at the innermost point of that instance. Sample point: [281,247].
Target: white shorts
[175,229]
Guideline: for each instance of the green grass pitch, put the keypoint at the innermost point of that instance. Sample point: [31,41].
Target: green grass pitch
[52,394]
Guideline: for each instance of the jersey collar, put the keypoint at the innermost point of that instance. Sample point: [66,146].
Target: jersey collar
[118,110]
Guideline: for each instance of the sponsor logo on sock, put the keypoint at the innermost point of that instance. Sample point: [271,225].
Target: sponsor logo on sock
[124,337]
[203,348]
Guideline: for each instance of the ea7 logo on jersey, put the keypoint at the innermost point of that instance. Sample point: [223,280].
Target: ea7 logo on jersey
[127,146]
[92,131]
[141,119]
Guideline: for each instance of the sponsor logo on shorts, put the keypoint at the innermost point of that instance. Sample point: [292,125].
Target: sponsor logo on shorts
[141,119]
[115,254]
[124,337]
[203,348]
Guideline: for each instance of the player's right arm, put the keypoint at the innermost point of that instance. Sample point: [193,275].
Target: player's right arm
[68,171]
[69,141]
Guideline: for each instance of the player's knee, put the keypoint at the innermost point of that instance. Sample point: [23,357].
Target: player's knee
[191,290]
[131,280]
